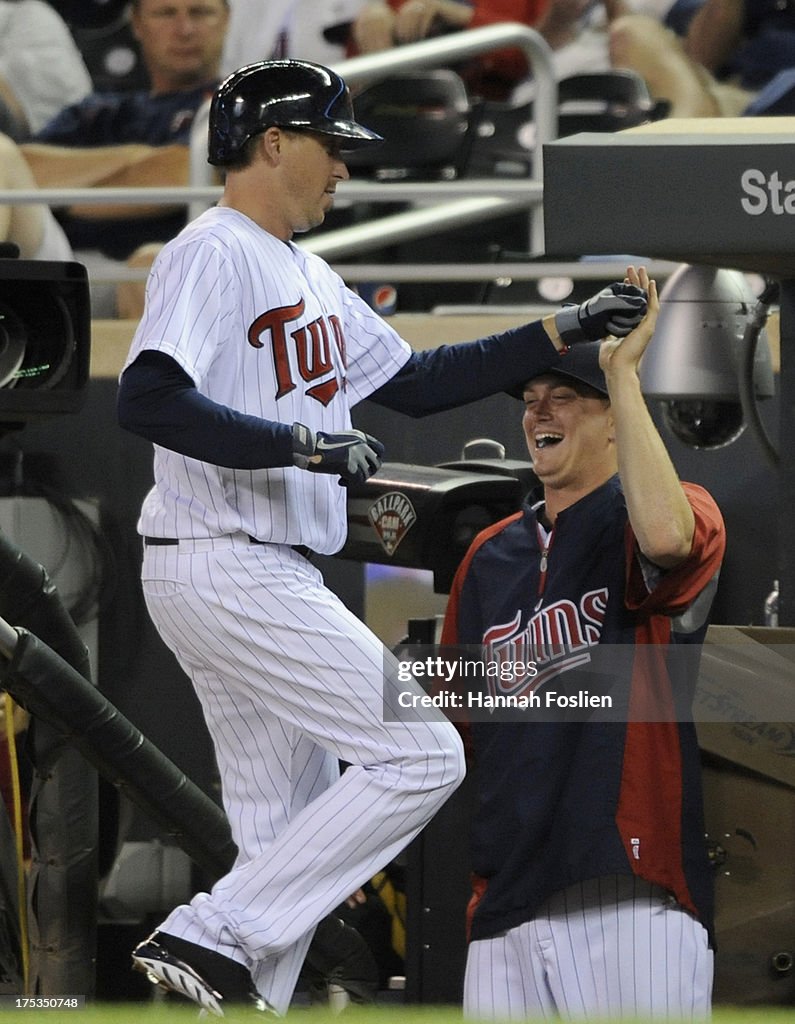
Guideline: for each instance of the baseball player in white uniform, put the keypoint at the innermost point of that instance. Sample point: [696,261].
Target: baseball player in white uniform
[243,372]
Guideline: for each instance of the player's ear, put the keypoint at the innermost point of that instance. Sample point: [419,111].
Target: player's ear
[271,143]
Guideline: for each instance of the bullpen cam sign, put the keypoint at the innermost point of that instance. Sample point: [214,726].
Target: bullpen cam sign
[392,516]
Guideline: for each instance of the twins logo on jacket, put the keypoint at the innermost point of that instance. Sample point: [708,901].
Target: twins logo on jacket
[559,801]
[555,639]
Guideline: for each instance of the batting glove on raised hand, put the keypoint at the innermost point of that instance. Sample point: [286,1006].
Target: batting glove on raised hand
[616,310]
[351,454]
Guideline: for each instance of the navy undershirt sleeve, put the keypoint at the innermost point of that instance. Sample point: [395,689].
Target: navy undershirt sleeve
[159,401]
[453,375]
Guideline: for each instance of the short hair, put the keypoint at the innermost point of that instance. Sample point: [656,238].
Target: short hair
[244,156]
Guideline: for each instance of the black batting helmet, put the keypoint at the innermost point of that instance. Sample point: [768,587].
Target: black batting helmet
[285,93]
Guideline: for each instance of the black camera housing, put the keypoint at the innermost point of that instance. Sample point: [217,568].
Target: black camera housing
[45,339]
[425,517]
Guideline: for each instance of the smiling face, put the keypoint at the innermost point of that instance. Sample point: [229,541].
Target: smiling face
[569,432]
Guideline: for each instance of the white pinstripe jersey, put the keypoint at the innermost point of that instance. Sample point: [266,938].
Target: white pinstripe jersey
[271,331]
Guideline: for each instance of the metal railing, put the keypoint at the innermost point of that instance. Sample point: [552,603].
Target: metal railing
[436,205]
[482,203]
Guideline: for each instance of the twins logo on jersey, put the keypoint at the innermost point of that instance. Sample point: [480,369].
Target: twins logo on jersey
[555,639]
[312,347]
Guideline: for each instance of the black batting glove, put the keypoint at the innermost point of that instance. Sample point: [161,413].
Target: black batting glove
[616,310]
[351,454]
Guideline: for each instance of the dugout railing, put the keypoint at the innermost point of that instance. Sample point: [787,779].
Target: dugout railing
[435,205]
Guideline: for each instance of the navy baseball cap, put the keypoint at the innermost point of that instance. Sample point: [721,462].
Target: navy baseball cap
[580,363]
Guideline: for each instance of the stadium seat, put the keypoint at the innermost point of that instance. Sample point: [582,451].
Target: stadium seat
[111,54]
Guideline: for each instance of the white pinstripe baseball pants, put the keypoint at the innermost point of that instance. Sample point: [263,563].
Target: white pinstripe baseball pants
[604,949]
[290,682]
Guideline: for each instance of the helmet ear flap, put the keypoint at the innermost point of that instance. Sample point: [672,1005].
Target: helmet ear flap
[286,93]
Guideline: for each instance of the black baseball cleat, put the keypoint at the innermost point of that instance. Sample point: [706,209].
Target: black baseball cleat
[213,981]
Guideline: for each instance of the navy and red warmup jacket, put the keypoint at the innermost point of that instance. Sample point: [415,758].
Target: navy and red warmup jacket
[558,802]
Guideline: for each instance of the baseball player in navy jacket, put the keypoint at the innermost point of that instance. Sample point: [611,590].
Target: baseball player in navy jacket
[592,889]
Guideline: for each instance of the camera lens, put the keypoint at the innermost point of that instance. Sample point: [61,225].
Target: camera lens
[34,353]
[45,339]
[12,346]
[703,423]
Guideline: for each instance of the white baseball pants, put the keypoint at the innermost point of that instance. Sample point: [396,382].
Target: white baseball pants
[605,949]
[290,682]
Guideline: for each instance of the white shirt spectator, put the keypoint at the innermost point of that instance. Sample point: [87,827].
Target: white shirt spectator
[261,29]
[589,51]
[40,63]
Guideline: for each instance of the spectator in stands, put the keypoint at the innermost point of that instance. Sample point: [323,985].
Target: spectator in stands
[126,139]
[576,30]
[40,67]
[579,31]
[732,54]
[381,25]
[32,228]
[310,29]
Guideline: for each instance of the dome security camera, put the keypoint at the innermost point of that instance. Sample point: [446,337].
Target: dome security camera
[693,363]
